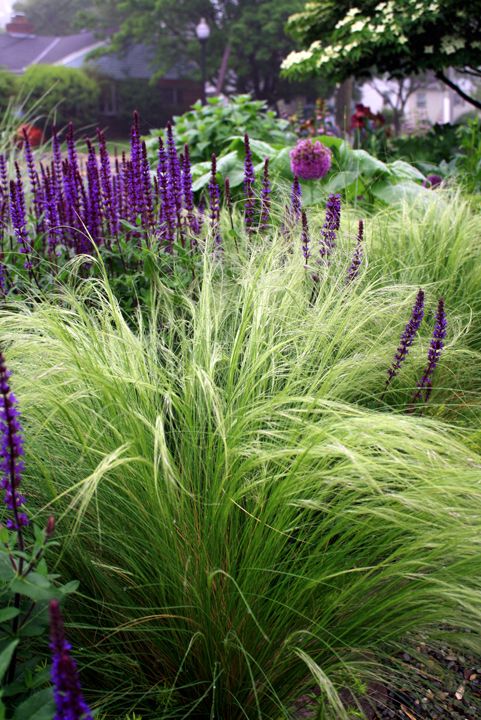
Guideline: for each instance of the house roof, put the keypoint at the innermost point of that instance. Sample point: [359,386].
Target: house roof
[137,61]
[17,53]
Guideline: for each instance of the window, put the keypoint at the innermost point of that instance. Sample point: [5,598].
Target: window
[421,100]
[109,101]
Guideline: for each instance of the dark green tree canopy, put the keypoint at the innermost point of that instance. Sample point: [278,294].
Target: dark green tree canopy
[51,17]
[397,37]
[249,34]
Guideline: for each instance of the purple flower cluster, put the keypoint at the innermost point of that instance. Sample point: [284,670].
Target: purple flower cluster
[69,700]
[432,181]
[424,386]
[265,196]
[305,238]
[296,200]
[214,200]
[353,271]
[310,160]
[70,196]
[249,181]
[331,226]
[11,451]
[407,337]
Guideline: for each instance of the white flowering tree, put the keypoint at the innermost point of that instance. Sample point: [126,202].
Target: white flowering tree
[399,38]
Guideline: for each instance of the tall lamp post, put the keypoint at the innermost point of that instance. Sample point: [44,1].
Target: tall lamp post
[202,31]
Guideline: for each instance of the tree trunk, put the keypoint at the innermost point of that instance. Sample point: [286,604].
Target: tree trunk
[343,105]
[223,69]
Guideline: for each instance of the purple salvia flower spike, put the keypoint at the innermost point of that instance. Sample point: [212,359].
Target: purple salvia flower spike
[214,198]
[407,337]
[296,200]
[68,696]
[249,181]
[188,193]
[135,185]
[148,206]
[424,386]
[3,176]
[353,270]
[106,184]
[94,197]
[167,203]
[174,171]
[265,196]
[11,452]
[17,214]
[331,226]
[305,238]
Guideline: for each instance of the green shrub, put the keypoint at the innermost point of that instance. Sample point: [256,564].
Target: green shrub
[208,129]
[69,93]
[8,88]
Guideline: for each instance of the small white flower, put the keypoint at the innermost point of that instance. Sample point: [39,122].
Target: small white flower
[296,58]
[358,26]
[429,49]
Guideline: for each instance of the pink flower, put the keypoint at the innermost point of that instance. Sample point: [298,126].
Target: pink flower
[310,160]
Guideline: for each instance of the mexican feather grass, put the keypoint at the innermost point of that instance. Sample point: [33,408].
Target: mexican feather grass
[247,518]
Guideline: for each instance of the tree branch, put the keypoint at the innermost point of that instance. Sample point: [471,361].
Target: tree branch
[441,76]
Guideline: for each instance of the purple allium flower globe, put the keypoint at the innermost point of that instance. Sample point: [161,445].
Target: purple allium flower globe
[310,160]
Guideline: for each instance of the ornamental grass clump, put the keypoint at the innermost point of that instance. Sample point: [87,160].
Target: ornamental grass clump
[246,523]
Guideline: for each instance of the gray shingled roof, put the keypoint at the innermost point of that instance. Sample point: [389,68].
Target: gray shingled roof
[17,53]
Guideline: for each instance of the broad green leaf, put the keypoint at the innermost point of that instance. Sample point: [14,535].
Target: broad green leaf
[340,180]
[36,587]
[39,706]
[8,614]
[399,192]
[402,169]
[368,164]
[6,656]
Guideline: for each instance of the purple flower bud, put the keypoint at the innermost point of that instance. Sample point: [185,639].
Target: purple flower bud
[214,198]
[305,238]
[296,199]
[353,270]
[69,700]
[407,337]
[265,196]
[11,451]
[424,386]
[249,180]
